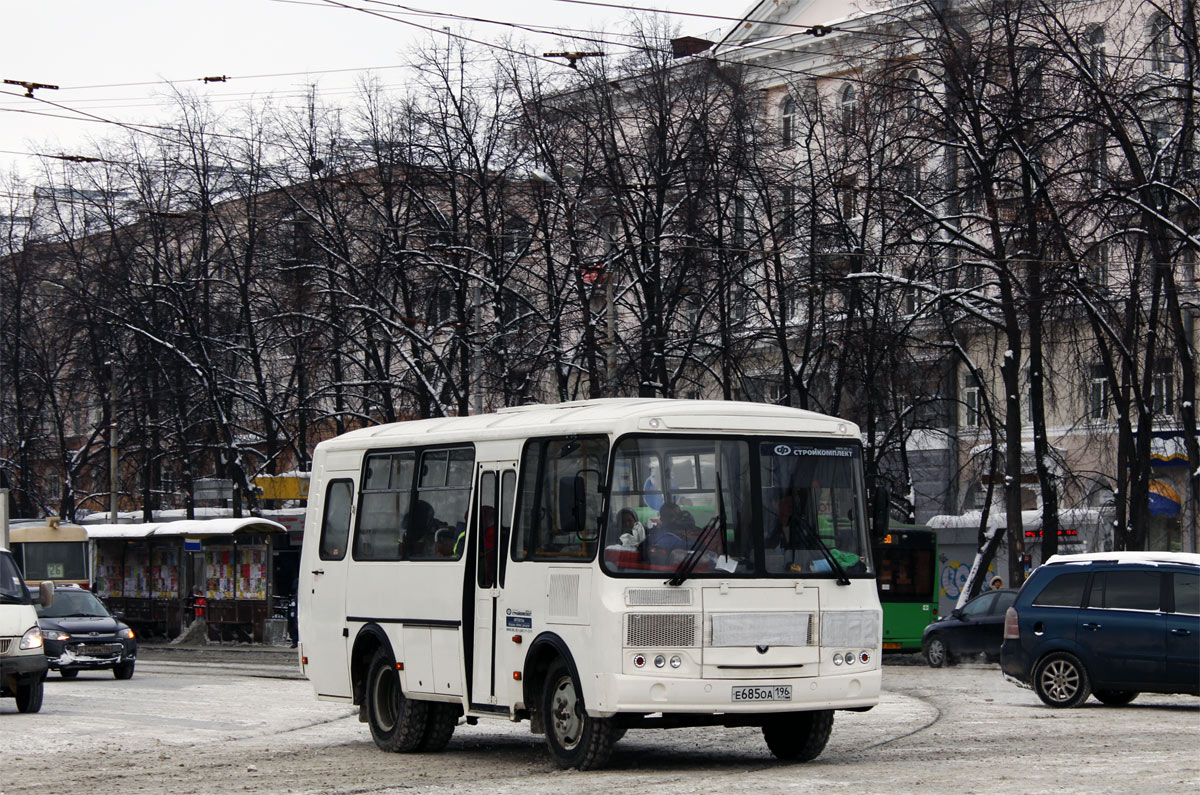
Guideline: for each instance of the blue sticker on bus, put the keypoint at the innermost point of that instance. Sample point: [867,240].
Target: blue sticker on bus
[518,620]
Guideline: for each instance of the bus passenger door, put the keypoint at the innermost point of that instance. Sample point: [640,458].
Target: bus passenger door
[491,528]
[322,590]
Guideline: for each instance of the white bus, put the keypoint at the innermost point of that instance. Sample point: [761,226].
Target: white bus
[593,567]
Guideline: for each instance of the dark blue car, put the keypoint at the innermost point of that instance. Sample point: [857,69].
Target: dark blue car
[973,629]
[1106,624]
[79,634]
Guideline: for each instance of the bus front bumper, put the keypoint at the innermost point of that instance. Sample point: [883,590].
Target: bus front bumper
[650,694]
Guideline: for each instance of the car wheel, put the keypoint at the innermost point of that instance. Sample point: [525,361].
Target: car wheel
[68,673]
[798,736]
[575,739]
[1061,681]
[397,722]
[1115,698]
[123,670]
[439,727]
[937,653]
[29,694]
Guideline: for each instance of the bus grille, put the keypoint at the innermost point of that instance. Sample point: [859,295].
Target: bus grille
[675,597]
[761,629]
[660,630]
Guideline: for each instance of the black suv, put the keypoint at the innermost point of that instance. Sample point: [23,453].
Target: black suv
[1110,624]
[80,635]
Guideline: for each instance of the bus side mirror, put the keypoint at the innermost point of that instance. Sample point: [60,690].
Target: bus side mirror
[880,510]
[46,593]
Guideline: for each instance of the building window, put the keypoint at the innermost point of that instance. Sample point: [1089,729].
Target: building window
[1097,159]
[787,117]
[1160,51]
[912,108]
[849,104]
[787,211]
[1094,269]
[1162,388]
[1098,398]
[971,402]
[1097,57]
[972,273]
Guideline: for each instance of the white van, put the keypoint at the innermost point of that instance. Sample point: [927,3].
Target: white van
[22,664]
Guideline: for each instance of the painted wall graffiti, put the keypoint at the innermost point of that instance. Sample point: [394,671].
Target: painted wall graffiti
[954,577]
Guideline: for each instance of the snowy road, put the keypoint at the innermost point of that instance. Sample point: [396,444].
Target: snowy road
[199,727]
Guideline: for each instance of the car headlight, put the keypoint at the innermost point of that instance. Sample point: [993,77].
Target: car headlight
[125,633]
[32,639]
[54,634]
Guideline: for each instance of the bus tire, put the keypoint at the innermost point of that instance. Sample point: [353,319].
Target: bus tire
[575,739]
[439,726]
[397,723]
[29,694]
[798,736]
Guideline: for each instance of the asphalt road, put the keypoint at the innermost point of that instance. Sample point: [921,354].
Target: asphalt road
[215,722]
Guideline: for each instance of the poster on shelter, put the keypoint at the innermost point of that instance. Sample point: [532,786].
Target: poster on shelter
[219,573]
[252,573]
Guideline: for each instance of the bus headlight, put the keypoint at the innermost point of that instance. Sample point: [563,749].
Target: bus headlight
[676,661]
[660,661]
[837,658]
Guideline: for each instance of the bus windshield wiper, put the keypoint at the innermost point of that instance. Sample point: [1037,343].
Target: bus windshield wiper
[700,545]
[695,552]
[811,532]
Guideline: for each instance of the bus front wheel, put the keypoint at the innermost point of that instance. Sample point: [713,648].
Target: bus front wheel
[575,739]
[397,722]
[798,736]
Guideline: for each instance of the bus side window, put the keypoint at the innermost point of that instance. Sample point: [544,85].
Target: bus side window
[335,521]
[547,526]
[486,521]
[508,497]
[443,497]
[386,494]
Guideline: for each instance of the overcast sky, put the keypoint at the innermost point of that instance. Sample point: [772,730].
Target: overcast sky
[87,46]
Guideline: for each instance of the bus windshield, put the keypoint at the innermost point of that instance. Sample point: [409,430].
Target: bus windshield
[735,507]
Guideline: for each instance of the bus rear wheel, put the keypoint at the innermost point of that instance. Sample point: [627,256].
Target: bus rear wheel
[439,727]
[798,736]
[397,722]
[575,739]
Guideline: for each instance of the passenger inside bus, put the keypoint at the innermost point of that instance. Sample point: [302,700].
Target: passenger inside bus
[676,528]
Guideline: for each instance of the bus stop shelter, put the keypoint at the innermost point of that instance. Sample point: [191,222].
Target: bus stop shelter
[153,572]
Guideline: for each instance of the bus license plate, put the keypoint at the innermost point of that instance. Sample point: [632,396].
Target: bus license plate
[757,693]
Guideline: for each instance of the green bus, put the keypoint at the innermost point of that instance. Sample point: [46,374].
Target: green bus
[906,567]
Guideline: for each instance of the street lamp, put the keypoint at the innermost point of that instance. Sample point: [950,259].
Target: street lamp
[610,308]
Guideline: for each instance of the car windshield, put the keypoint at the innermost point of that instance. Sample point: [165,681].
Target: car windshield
[70,604]
[12,587]
[735,507]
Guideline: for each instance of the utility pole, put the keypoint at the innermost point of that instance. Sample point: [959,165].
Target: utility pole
[610,307]
[114,480]
[477,357]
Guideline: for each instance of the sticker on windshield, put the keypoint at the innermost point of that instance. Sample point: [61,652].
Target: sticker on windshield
[831,452]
